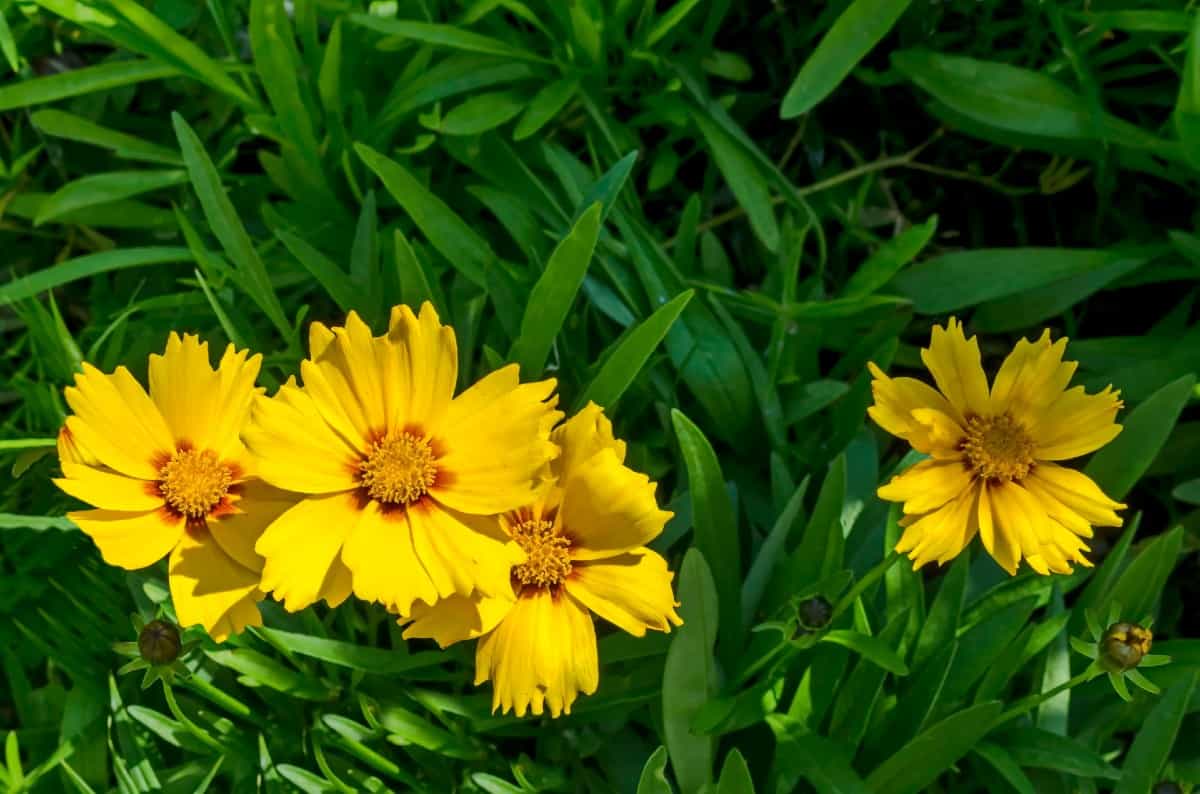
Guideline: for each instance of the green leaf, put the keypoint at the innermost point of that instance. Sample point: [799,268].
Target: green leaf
[1118,466]
[70,127]
[966,278]
[654,779]
[1187,105]
[769,554]
[888,259]
[227,226]
[1003,763]
[801,755]
[1141,584]
[1033,747]
[103,188]
[259,670]
[871,648]
[483,112]
[356,657]
[690,675]
[628,356]
[443,36]
[919,763]
[941,624]
[854,34]
[544,106]
[606,189]
[553,295]
[89,265]
[667,22]
[278,64]
[328,273]
[715,528]
[735,775]
[744,177]
[76,82]
[1154,739]
[462,247]
[8,45]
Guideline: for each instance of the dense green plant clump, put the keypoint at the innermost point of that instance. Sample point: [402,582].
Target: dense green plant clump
[737,228]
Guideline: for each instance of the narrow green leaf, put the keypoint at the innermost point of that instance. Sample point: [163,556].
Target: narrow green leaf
[887,260]
[690,675]
[104,188]
[606,189]
[854,34]
[941,624]
[8,45]
[804,756]
[630,354]
[1187,105]
[449,36]
[227,226]
[278,64]
[1033,747]
[870,648]
[1118,466]
[462,247]
[965,278]
[667,22]
[544,106]
[68,126]
[1141,584]
[76,82]
[357,657]
[769,554]
[919,763]
[268,672]
[328,273]
[89,265]
[483,112]
[553,295]
[744,177]
[735,775]
[715,527]
[654,779]
[1002,762]
[1154,739]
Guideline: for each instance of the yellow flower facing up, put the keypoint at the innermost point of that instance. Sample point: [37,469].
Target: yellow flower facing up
[400,478]
[584,541]
[170,477]
[993,452]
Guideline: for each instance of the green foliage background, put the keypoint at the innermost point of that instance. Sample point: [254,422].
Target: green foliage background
[786,191]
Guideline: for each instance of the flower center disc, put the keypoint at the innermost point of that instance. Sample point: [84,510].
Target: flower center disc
[549,561]
[399,469]
[193,482]
[998,448]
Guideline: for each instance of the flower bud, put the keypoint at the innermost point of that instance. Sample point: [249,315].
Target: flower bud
[159,642]
[814,613]
[1123,646]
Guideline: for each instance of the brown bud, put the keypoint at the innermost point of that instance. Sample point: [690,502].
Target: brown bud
[159,642]
[814,613]
[1123,646]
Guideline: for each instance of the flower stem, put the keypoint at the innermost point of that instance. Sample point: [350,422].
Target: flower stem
[1033,701]
[217,697]
[186,722]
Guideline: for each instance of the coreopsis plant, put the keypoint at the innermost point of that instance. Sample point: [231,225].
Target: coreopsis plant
[397,479]
[584,538]
[169,477]
[993,467]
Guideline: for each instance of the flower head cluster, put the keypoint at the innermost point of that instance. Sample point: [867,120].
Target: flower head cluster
[468,514]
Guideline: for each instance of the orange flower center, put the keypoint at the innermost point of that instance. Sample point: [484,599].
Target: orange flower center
[399,469]
[193,482]
[549,559]
[998,448]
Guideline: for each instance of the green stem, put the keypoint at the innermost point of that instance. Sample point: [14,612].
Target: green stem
[218,698]
[191,727]
[873,575]
[1033,701]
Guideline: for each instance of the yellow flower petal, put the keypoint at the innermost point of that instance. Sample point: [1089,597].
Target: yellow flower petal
[496,437]
[342,377]
[210,588]
[204,408]
[70,450]
[462,553]
[927,485]
[1017,516]
[301,551]
[1003,549]
[581,437]
[955,363]
[543,654]
[1076,423]
[117,422]
[382,561]
[608,508]
[237,532]
[1078,492]
[131,540]
[432,359]
[457,618]
[942,534]
[897,399]
[1032,375]
[631,591]
[295,449]
[108,490]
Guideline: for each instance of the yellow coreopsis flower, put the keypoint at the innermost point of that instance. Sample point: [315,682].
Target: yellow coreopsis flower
[170,477]
[992,466]
[399,477]
[584,538]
